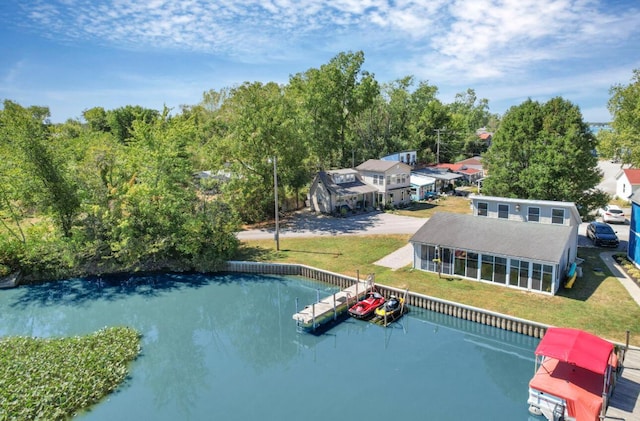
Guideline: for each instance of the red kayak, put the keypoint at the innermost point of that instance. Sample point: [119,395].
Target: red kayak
[366,307]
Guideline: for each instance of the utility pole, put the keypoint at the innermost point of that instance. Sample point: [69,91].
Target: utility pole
[275,193]
[444,129]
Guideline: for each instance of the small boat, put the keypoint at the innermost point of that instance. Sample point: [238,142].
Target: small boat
[391,309]
[366,307]
[574,376]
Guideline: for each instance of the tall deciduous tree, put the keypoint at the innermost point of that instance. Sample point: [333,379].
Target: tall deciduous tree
[544,151]
[260,123]
[25,131]
[624,106]
[332,97]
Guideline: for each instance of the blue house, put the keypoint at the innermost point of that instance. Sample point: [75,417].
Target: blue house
[633,250]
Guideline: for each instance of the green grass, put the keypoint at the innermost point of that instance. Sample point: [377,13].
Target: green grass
[597,303]
[53,379]
[426,209]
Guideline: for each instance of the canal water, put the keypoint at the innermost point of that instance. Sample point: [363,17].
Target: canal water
[226,347]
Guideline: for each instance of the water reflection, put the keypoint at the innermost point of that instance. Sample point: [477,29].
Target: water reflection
[226,346]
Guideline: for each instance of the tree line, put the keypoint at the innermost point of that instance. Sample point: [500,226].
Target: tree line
[116,190]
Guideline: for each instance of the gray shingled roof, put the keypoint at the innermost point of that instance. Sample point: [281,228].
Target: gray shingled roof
[346,189]
[377,165]
[527,240]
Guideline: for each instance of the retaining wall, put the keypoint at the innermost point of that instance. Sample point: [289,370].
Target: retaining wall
[450,308]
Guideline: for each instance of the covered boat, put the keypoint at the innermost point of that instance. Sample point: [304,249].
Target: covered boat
[574,376]
[365,308]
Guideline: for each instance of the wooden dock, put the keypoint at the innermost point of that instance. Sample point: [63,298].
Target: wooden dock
[330,308]
[624,404]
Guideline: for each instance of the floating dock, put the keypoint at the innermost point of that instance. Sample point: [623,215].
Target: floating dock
[327,310]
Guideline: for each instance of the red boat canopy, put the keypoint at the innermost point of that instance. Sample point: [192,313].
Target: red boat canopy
[576,347]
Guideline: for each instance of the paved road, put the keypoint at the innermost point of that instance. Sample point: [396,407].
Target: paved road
[308,224]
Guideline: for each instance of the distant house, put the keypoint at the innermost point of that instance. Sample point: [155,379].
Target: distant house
[339,191]
[485,136]
[443,176]
[407,157]
[469,174]
[422,186]
[627,181]
[391,178]
[518,243]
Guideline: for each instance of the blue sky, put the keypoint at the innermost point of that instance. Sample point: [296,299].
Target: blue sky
[71,55]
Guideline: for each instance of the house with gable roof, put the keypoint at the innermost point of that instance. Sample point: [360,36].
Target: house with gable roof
[391,178]
[340,191]
[627,182]
[518,243]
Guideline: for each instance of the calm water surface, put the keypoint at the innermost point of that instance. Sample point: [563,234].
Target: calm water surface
[225,347]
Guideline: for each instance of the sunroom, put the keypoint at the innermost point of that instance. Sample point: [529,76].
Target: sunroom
[525,256]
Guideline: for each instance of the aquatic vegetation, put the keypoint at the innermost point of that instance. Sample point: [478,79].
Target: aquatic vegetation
[54,379]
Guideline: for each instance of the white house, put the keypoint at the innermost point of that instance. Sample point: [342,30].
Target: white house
[422,186]
[518,243]
[627,181]
[391,178]
[407,157]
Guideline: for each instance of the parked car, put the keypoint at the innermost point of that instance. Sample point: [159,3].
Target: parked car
[602,234]
[613,213]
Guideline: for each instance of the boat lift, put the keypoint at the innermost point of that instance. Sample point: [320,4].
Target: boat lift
[387,320]
[327,310]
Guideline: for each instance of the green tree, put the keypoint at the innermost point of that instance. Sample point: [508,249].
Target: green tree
[624,106]
[544,151]
[46,183]
[260,123]
[120,120]
[468,115]
[332,97]
[96,118]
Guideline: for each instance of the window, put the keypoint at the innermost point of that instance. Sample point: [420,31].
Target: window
[388,180]
[519,273]
[557,216]
[460,262]
[482,209]
[500,270]
[503,211]
[472,265]
[486,270]
[533,214]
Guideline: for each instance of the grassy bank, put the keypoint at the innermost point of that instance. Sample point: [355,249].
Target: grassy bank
[597,303]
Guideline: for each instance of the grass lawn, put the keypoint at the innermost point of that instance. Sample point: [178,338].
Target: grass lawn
[597,303]
[426,209]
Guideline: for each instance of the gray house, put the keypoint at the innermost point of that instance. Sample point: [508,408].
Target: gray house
[340,191]
[518,243]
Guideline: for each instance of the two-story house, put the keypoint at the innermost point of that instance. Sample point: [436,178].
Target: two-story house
[391,178]
[408,157]
[518,243]
[340,191]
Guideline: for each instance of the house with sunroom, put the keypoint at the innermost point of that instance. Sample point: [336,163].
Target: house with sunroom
[392,179]
[518,243]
